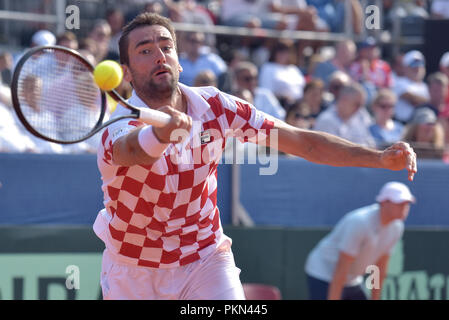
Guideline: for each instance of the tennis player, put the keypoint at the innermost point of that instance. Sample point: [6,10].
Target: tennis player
[363,238]
[161,225]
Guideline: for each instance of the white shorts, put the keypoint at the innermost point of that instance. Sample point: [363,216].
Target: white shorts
[214,277]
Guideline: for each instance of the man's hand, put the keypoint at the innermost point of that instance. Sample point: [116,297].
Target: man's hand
[179,120]
[400,156]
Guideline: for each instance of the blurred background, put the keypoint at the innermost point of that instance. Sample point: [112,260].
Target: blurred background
[293,59]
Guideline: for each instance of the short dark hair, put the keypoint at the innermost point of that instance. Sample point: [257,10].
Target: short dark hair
[142,20]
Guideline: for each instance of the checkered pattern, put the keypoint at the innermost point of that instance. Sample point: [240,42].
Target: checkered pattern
[165,214]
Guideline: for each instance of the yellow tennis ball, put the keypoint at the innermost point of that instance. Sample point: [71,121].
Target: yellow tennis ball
[108,74]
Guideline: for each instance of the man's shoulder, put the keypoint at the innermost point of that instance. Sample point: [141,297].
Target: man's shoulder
[362,216]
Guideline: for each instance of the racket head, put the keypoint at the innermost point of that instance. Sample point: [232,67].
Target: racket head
[55,96]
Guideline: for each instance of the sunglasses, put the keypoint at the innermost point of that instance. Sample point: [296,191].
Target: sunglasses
[248,78]
[385,106]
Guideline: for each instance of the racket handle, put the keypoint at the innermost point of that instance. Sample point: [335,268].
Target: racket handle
[154,117]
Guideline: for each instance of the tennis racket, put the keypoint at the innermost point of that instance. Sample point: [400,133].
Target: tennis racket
[56,98]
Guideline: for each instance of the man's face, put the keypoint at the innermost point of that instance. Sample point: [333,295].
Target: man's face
[397,210]
[247,79]
[347,106]
[415,73]
[153,67]
[438,92]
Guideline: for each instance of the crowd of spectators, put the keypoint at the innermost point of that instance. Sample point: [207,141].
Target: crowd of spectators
[354,92]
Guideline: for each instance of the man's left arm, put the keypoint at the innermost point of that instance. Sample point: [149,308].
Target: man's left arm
[324,148]
[382,264]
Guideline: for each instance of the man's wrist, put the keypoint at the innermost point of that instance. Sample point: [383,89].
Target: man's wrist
[150,143]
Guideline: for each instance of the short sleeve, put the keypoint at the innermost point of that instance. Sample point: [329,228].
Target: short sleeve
[352,237]
[245,122]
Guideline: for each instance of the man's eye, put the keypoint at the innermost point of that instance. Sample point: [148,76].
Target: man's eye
[167,48]
[145,51]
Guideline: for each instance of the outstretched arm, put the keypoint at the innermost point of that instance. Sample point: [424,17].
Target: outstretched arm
[324,148]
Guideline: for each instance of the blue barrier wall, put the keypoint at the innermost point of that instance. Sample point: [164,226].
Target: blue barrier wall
[306,194]
[65,189]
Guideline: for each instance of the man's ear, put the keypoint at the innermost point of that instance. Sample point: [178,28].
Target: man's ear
[180,68]
[126,73]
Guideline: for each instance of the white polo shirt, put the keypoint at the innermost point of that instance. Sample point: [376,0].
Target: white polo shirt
[358,234]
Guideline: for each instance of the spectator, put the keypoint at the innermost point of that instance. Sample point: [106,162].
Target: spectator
[440,9]
[101,35]
[444,121]
[397,68]
[348,118]
[232,57]
[438,91]
[369,68]
[204,79]
[12,138]
[344,55]
[116,21]
[39,38]
[425,134]
[281,75]
[337,81]
[6,68]
[31,93]
[444,68]
[313,97]
[411,89]
[297,15]
[251,14]
[190,11]
[299,115]
[67,39]
[197,57]
[43,38]
[333,13]
[363,237]
[385,130]
[246,77]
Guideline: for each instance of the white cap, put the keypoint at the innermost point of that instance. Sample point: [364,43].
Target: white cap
[43,38]
[395,192]
[413,58]
[444,62]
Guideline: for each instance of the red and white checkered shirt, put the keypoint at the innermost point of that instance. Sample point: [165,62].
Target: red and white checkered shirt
[379,73]
[165,214]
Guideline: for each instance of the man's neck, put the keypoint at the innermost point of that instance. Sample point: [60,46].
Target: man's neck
[176,101]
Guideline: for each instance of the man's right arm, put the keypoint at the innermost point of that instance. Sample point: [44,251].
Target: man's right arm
[414,99]
[145,144]
[339,279]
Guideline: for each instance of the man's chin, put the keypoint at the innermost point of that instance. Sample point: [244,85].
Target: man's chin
[163,89]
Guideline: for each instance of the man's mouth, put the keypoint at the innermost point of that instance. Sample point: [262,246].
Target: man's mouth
[162,71]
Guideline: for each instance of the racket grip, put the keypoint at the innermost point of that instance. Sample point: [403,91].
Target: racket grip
[154,117]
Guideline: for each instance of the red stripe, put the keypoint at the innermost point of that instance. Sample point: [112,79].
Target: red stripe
[189,259]
[170,256]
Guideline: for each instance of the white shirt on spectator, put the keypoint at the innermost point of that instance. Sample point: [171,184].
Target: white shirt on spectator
[284,81]
[11,137]
[355,129]
[358,234]
[43,117]
[403,109]
[440,7]
[265,101]
[232,8]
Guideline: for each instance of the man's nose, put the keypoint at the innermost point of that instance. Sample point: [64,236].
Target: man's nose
[160,56]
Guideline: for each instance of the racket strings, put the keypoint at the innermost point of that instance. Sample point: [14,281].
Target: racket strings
[58,95]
